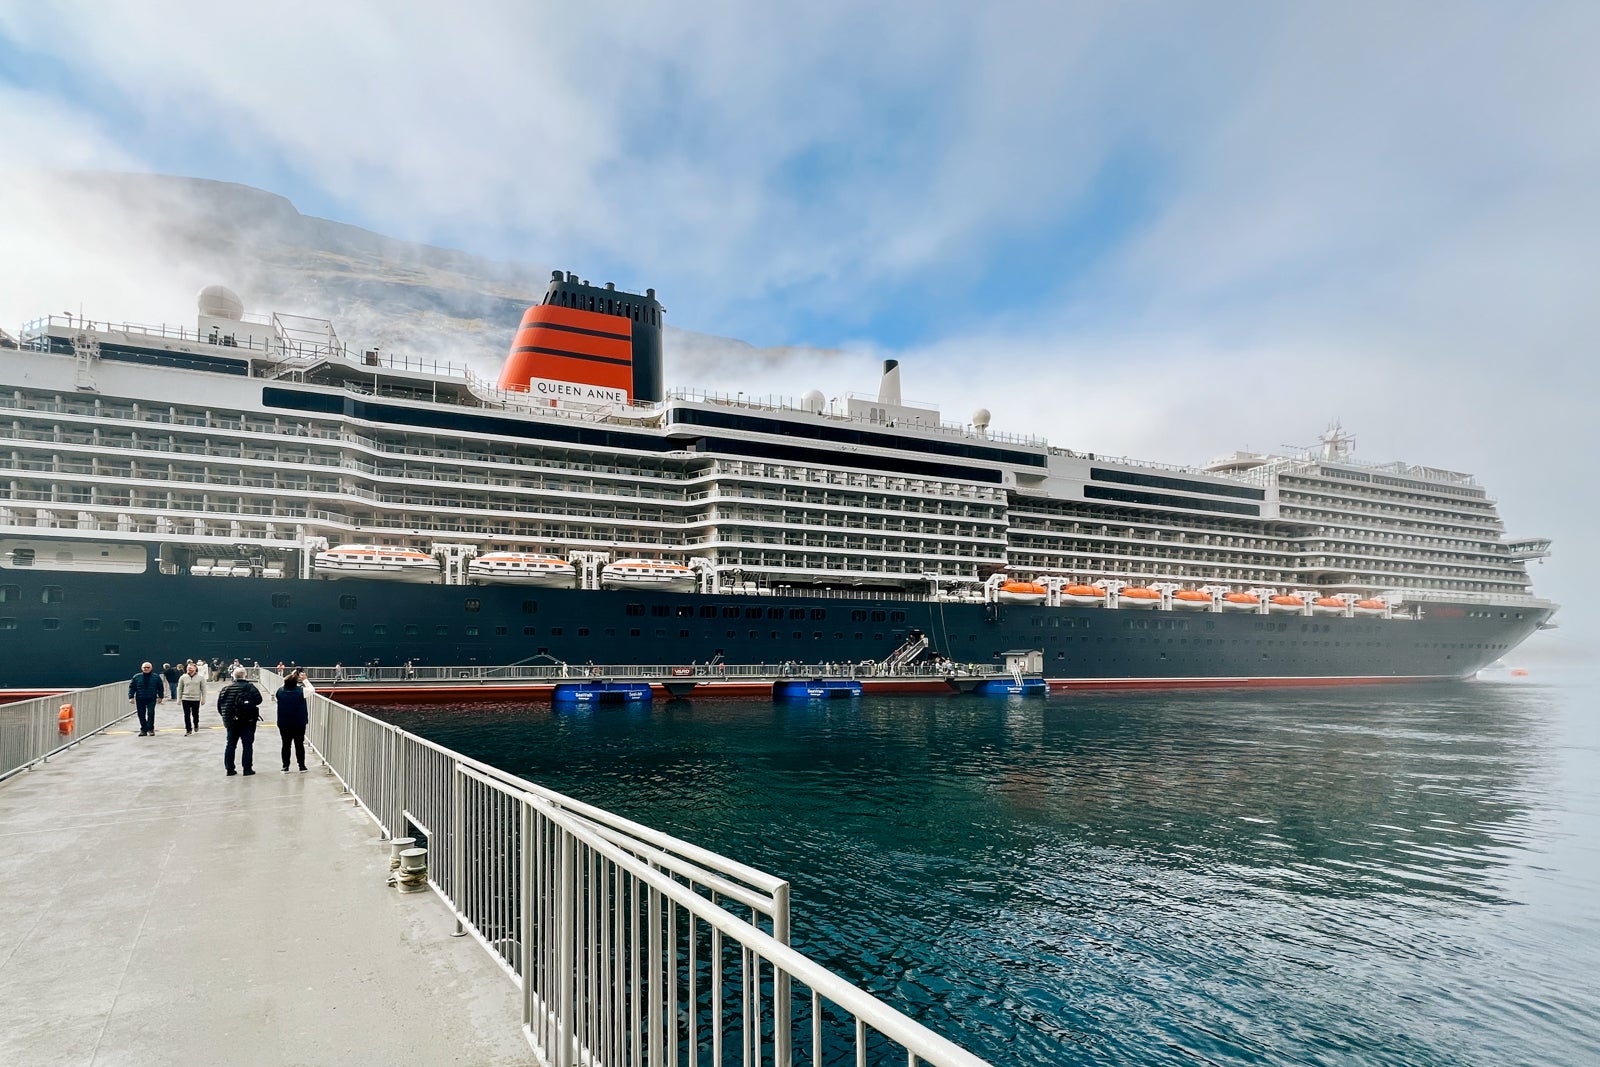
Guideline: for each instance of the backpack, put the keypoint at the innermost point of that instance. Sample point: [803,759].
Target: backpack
[242,711]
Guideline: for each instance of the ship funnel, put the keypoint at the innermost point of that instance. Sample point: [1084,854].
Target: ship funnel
[889,388]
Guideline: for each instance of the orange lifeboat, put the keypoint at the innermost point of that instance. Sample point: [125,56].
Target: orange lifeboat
[1192,600]
[1240,602]
[1082,594]
[1370,607]
[1139,596]
[1328,605]
[1286,605]
[1021,593]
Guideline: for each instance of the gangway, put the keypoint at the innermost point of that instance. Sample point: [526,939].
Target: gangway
[903,656]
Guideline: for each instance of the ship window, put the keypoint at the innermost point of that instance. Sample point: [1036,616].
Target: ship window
[130,624]
[246,627]
[752,613]
[557,631]
[348,629]
[838,636]
[685,611]
[635,609]
[208,627]
[474,604]
[774,613]
[280,627]
[10,594]
[8,624]
[52,594]
[441,631]
[859,635]
[501,631]
[280,600]
[879,616]
[897,616]
[683,633]
[22,557]
[583,631]
[733,633]
[799,635]
[170,626]
[730,613]
[313,627]
[611,631]
[877,637]
[347,602]
[818,614]
[708,612]
[413,630]
[472,631]
[380,630]
[816,635]
[660,611]
[529,631]
[797,613]
[51,624]
[112,650]
[858,616]
[755,634]
[530,607]
[635,633]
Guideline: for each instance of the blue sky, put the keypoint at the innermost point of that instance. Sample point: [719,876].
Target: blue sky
[1166,230]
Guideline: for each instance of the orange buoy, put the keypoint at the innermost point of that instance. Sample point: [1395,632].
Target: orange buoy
[64,719]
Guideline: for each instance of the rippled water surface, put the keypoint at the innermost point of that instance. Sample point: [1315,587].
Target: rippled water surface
[1372,876]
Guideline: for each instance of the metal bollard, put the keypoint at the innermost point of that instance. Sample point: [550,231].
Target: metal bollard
[412,876]
[397,846]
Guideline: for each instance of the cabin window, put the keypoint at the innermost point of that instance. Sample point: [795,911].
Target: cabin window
[472,631]
[347,602]
[557,631]
[347,628]
[8,624]
[752,613]
[246,627]
[280,627]
[280,600]
[583,631]
[51,624]
[91,624]
[52,594]
[797,613]
[10,594]
[380,630]
[441,631]
[660,611]
[413,630]
[473,604]
[730,613]
[130,624]
[879,616]
[635,609]
[501,631]
[169,626]
[708,612]
[634,633]
[313,627]
[897,616]
[774,613]
[685,611]
[112,650]
[858,616]
[208,627]
[529,631]
[530,607]
[816,635]
[683,633]
[818,614]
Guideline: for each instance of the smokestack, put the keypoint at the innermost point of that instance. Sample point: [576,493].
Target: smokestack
[889,388]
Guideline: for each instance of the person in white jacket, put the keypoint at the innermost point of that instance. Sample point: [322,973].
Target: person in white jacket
[191,694]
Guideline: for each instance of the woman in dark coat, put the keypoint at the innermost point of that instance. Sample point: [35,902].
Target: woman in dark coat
[292,718]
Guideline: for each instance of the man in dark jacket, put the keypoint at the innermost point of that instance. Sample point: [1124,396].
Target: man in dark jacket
[144,693]
[240,707]
[171,674]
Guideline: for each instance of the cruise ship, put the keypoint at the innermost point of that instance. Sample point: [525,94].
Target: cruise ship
[254,487]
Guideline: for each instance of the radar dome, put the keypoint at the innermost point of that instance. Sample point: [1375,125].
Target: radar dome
[814,401]
[980,418]
[220,302]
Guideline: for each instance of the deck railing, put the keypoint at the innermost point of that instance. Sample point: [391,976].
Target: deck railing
[702,672]
[33,730]
[630,947]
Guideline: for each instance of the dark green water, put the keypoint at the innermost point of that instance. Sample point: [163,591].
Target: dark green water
[1373,876]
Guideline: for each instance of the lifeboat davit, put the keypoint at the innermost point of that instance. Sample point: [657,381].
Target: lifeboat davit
[1020,593]
[1286,605]
[522,568]
[1138,596]
[1328,605]
[1082,594]
[1240,602]
[376,561]
[1370,607]
[655,574]
[1192,600]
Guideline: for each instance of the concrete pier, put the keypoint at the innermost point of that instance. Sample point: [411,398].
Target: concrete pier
[158,912]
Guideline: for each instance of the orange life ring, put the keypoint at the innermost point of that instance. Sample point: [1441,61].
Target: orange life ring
[64,719]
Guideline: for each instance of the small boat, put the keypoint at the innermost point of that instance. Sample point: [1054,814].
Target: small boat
[1240,602]
[1138,596]
[1021,593]
[1192,600]
[376,561]
[522,568]
[1328,605]
[648,574]
[1286,605]
[1082,594]
[1370,607]
[1012,687]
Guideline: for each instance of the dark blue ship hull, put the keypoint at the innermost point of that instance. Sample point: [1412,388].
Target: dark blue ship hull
[62,629]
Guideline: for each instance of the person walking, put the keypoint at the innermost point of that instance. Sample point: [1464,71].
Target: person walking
[292,718]
[144,693]
[191,694]
[240,707]
[171,674]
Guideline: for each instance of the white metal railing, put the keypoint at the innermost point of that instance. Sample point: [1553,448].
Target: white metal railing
[32,731]
[562,672]
[630,947]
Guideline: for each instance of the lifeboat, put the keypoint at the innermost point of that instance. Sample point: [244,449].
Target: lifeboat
[1192,600]
[1082,594]
[1240,602]
[1370,607]
[1328,605]
[1138,596]
[376,561]
[1021,593]
[522,568]
[1286,605]
[654,574]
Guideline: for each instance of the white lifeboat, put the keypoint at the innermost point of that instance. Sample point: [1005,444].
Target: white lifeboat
[1328,605]
[1138,596]
[1083,594]
[376,561]
[1370,607]
[1240,602]
[648,574]
[1020,593]
[1286,605]
[522,568]
[1192,600]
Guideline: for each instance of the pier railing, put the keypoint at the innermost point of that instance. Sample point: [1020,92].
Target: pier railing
[34,730]
[653,672]
[630,946]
